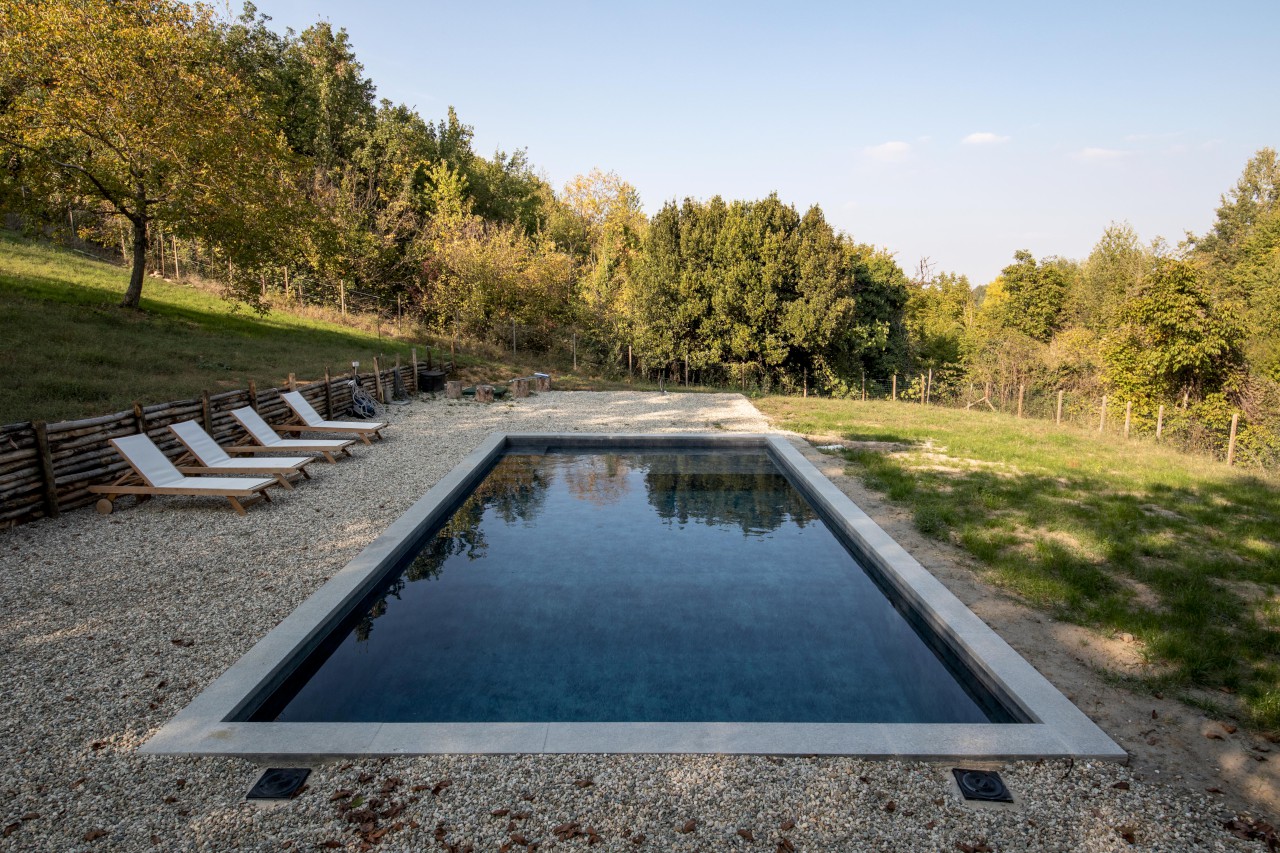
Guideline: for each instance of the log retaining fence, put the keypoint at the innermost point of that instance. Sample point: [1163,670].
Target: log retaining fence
[46,469]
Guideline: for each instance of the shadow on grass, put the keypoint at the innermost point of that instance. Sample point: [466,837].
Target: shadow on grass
[1189,570]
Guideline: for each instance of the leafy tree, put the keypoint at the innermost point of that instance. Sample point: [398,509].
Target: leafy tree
[129,103]
[1255,196]
[1173,337]
[1035,294]
[1108,276]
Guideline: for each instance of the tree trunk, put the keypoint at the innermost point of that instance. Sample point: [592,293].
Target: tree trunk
[134,293]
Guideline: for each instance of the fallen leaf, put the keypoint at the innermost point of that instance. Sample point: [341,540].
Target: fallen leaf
[29,816]
[1128,833]
[500,812]
[637,839]
[331,844]
[584,782]
[746,834]
[787,824]
[340,795]
[1214,790]
[785,846]
[1121,786]
[519,839]
[94,834]
[364,778]
[440,786]
[1229,729]
[689,826]
[891,807]
[10,829]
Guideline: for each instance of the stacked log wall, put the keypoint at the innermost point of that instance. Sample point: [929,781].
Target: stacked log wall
[80,454]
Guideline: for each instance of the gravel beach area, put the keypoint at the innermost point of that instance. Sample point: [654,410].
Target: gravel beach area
[111,624]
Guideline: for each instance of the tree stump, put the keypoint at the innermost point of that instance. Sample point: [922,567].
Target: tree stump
[520,387]
[453,389]
[542,383]
[484,393]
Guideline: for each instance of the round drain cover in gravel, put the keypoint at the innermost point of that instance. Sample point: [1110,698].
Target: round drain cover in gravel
[279,783]
[982,785]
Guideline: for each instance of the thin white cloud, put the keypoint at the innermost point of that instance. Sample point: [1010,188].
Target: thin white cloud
[888,152]
[1098,155]
[984,138]
[1153,137]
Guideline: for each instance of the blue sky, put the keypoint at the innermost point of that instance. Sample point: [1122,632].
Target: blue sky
[960,132]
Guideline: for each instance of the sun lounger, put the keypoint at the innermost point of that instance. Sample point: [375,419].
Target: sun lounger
[154,474]
[312,422]
[270,442]
[209,458]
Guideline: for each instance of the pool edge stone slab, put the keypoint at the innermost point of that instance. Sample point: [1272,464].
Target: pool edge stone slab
[1057,728]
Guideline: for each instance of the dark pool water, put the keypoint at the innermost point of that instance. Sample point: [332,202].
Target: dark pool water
[659,586]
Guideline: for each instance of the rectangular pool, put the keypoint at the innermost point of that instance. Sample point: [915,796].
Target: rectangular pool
[634,593]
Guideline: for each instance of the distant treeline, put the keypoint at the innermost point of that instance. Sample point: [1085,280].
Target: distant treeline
[270,153]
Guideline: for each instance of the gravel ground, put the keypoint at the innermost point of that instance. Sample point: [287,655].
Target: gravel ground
[111,624]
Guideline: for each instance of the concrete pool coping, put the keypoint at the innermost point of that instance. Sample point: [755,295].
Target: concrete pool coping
[1055,727]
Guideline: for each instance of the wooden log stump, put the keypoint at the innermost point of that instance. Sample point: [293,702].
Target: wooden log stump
[453,389]
[484,393]
[543,383]
[520,388]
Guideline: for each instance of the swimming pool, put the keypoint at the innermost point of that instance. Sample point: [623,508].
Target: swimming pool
[633,593]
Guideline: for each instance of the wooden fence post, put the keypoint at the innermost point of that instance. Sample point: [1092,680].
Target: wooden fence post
[206,411]
[1102,423]
[50,487]
[1058,421]
[377,381]
[414,357]
[1128,416]
[253,395]
[1160,422]
[293,383]
[924,393]
[1022,390]
[1231,443]
[864,386]
[629,363]
[328,395]
[894,393]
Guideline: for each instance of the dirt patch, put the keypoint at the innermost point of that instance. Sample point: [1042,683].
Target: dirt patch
[1167,739]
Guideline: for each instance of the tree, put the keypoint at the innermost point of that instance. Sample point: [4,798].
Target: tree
[1035,294]
[1173,337]
[130,103]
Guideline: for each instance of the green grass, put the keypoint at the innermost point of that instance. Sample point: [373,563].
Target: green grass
[1180,551]
[67,350]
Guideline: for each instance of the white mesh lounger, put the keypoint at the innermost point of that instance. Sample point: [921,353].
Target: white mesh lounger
[270,442]
[312,422]
[154,474]
[209,458]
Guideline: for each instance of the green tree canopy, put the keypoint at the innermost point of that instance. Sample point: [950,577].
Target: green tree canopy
[129,103]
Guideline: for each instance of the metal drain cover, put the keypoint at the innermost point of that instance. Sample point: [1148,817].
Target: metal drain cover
[279,783]
[982,785]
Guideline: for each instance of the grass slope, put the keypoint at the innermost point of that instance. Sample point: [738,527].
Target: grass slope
[1182,552]
[67,350]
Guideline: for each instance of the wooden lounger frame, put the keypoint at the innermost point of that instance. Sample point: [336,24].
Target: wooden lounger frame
[128,484]
[246,447]
[361,433]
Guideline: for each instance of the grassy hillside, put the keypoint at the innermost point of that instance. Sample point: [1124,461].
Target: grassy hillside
[68,351]
[1180,551]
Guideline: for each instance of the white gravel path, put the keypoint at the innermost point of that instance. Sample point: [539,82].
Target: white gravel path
[109,625]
